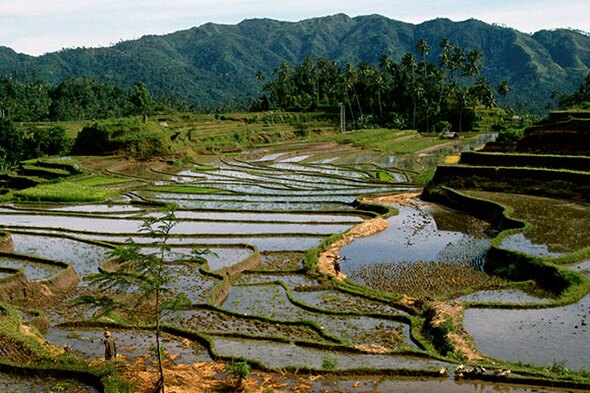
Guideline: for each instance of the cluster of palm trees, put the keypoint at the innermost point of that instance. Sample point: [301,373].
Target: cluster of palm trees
[413,92]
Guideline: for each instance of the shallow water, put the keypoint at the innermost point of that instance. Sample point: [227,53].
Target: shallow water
[519,242]
[291,280]
[131,344]
[267,216]
[543,336]
[509,296]
[85,257]
[439,385]
[33,270]
[17,384]
[105,225]
[278,355]
[420,232]
[271,301]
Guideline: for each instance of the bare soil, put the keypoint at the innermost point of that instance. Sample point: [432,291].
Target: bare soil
[208,377]
[453,311]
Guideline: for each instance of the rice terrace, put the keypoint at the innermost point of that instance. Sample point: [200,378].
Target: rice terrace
[226,209]
[328,267]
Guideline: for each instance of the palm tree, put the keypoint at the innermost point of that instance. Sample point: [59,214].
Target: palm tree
[472,64]
[503,88]
[423,48]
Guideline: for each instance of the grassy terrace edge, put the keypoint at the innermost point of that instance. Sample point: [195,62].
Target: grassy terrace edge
[566,285]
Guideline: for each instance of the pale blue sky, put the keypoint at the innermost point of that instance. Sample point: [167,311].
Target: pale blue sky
[39,26]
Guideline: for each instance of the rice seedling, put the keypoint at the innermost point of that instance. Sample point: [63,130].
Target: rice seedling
[63,192]
[424,279]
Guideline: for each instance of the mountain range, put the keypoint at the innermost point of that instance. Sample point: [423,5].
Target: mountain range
[213,64]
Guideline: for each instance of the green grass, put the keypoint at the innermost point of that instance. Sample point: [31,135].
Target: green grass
[63,192]
[98,181]
[184,189]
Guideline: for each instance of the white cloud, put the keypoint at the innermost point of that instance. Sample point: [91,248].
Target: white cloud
[35,26]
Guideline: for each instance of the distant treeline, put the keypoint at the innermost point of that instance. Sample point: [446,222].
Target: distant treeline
[416,92]
[26,98]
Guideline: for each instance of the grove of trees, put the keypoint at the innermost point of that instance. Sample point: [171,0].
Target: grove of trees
[416,92]
[28,99]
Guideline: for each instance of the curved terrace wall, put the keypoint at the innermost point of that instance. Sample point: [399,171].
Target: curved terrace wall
[515,265]
[574,163]
[17,287]
[555,183]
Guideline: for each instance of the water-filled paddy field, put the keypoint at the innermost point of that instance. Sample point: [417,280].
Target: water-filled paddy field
[267,215]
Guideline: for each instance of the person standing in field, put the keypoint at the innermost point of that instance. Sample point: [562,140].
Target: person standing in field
[110,349]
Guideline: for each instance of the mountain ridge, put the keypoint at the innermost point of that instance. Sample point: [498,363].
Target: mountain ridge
[217,63]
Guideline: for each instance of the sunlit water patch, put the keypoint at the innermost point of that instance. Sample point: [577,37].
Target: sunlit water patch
[85,257]
[518,242]
[264,243]
[421,232]
[541,336]
[109,226]
[266,216]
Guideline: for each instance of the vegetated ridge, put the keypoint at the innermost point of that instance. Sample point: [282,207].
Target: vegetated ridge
[214,64]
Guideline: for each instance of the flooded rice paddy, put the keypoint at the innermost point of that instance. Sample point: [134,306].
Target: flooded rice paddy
[282,209]
[544,336]
[15,383]
[130,344]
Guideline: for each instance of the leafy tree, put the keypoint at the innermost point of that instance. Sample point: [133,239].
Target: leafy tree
[579,98]
[51,141]
[11,141]
[146,274]
[142,100]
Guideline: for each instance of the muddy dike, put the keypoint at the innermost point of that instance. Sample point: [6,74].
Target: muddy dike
[565,285]
[17,287]
[6,243]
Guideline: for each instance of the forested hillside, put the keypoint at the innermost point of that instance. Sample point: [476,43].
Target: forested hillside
[214,64]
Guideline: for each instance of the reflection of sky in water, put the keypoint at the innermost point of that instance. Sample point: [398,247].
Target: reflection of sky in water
[84,256]
[543,336]
[106,225]
[130,344]
[513,296]
[278,355]
[32,270]
[518,242]
[412,235]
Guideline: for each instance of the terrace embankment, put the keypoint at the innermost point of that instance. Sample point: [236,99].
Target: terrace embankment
[17,287]
[6,243]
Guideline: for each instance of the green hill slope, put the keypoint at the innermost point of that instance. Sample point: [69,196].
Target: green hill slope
[217,63]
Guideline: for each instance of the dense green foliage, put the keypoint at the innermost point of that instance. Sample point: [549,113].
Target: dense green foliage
[216,64]
[16,144]
[130,136]
[414,93]
[76,98]
[579,99]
